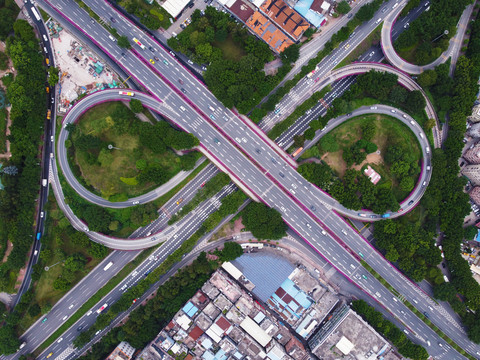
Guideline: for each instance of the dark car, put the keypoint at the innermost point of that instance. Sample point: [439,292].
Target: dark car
[180,81]
[443,265]
[183,90]
[191,5]
[156,58]
[182,26]
[410,202]
[80,328]
[151,49]
[113,19]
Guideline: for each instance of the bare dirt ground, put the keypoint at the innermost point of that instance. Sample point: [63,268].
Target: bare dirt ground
[76,64]
[9,250]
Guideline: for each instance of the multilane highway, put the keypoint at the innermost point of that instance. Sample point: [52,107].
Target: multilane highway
[296,214]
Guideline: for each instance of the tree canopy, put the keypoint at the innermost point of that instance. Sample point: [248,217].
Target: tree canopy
[263,222]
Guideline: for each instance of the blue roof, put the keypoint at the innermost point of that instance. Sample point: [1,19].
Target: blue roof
[297,306]
[266,271]
[190,309]
[303,8]
[477,238]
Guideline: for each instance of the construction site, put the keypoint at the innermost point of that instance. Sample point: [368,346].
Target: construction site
[82,71]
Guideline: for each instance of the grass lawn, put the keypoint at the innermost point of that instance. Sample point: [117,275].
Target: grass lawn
[104,176]
[408,54]
[231,51]
[389,131]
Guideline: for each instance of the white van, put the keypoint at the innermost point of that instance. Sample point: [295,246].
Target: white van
[211,108]
[427,149]
[112,38]
[378,21]
[421,135]
[182,108]
[45,49]
[45,37]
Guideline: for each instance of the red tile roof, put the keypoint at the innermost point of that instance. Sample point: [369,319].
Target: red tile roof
[285,17]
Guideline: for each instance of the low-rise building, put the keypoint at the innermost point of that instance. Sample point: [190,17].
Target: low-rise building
[124,351]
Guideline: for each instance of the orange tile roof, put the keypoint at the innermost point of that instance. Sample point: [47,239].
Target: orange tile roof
[285,17]
[268,31]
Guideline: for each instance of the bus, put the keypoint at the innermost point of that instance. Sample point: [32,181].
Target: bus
[108,266]
[139,43]
[35,13]
[298,151]
[127,93]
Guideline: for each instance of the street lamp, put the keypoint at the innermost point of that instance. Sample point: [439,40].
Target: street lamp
[438,37]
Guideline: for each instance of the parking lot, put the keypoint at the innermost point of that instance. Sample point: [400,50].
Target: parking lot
[176,28]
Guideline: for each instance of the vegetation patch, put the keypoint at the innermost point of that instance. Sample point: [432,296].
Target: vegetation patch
[237,58]
[69,254]
[17,201]
[385,144]
[152,15]
[428,36]
[121,157]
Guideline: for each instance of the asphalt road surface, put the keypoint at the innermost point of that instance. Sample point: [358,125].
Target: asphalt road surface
[297,210]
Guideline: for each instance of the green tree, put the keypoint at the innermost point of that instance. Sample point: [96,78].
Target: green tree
[53,76]
[123,42]
[343,7]
[407,183]
[445,291]
[61,284]
[34,310]
[290,54]
[136,106]
[75,262]
[309,134]
[9,342]
[231,250]
[429,124]
[263,222]
[328,143]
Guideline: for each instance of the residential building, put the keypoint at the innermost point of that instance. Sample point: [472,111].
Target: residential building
[286,18]
[473,173]
[124,351]
[313,10]
[260,25]
[473,155]
[475,195]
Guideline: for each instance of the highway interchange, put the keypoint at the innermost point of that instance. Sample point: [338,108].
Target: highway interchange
[289,193]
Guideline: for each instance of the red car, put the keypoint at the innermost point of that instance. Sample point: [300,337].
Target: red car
[202,185]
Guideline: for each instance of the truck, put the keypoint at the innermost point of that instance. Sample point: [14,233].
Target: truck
[385,216]
[44,182]
[297,151]
[108,266]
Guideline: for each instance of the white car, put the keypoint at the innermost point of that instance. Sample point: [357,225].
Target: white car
[70,307]
[59,340]
[373,108]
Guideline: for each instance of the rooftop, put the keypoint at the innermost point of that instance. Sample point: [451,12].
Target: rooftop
[285,17]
